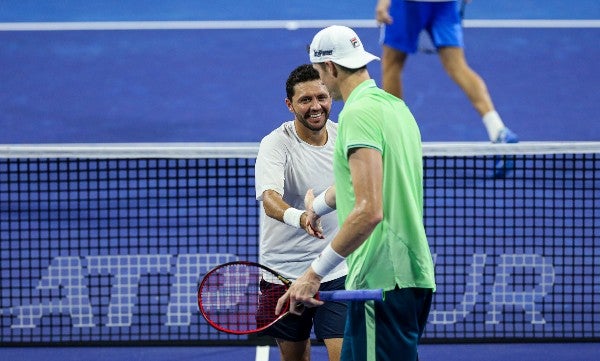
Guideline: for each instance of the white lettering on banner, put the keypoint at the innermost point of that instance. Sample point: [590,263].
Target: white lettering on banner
[126,272]
[183,303]
[68,274]
[503,292]
[67,278]
[472,289]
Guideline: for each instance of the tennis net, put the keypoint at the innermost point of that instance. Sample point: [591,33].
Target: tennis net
[106,243]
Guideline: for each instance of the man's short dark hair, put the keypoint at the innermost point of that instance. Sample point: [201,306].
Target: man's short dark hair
[301,74]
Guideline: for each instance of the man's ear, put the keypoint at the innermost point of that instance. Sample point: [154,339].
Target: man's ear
[288,103]
[332,68]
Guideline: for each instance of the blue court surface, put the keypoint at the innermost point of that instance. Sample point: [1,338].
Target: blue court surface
[220,78]
[470,352]
[205,83]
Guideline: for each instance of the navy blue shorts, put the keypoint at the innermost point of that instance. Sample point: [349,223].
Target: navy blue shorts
[329,319]
[388,330]
[440,19]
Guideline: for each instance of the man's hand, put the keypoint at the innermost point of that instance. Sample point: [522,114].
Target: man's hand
[382,12]
[301,293]
[312,222]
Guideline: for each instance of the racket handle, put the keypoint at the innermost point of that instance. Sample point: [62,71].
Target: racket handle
[351,295]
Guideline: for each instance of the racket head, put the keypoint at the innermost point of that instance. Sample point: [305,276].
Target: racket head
[231,301]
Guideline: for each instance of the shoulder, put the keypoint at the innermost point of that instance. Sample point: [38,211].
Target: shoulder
[331,126]
[364,108]
[280,142]
[284,134]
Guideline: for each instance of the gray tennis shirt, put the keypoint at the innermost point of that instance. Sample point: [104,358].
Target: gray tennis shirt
[290,166]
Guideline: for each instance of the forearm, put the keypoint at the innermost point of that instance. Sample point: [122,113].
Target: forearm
[322,204]
[330,197]
[353,233]
[366,168]
[275,207]
[357,227]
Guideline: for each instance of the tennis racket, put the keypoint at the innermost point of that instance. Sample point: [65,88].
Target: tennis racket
[426,45]
[231,300]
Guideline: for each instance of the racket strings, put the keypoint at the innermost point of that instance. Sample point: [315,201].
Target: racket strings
[235,299]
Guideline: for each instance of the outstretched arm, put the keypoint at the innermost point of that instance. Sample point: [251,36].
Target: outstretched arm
[275,207]
[316,207]
[366,167]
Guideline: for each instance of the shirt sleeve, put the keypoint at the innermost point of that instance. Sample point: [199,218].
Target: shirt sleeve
[363,129]
[270,166]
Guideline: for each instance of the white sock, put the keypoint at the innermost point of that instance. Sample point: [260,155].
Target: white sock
[493,124]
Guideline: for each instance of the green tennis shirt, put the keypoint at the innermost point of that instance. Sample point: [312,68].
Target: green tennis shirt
[396,253]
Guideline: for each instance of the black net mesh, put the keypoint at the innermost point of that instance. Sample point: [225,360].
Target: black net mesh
[112,250]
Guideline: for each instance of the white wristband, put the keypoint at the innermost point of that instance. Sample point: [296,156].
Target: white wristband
[327,261]
[321,207]
[292,216]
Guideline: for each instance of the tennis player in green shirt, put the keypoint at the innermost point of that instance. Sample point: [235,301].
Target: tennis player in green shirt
[378,194]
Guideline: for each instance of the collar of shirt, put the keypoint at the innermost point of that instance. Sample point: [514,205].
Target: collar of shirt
[361,88]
